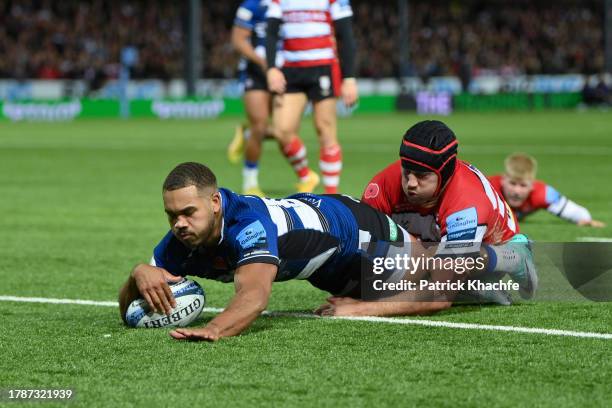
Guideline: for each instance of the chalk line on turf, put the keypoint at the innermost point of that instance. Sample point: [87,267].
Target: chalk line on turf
[372,319]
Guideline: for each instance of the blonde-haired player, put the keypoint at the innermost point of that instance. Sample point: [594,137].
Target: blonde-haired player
[525,194]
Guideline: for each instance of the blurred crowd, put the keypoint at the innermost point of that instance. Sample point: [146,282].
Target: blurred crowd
[82,39]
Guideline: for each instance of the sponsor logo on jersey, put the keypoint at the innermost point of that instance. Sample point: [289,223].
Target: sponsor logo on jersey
[462,225]
[254,235]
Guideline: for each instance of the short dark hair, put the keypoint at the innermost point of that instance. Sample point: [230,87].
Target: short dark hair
[190,174]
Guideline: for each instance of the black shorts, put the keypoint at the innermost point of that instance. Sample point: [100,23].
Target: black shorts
[318,82]
[254,78]
[380,236]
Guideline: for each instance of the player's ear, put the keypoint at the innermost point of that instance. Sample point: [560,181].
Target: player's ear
[216,201]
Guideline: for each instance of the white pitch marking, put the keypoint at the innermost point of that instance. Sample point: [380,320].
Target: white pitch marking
[389,320]
[594,239]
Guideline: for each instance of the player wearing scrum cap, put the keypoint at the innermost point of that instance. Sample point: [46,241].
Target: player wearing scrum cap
[440,198]
[525,194]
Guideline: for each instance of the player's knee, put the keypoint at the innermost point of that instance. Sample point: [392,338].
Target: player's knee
[259,127]
[284,134]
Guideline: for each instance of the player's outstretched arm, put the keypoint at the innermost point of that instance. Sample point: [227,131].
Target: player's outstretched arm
[253,283]
[570,211]
[344,306]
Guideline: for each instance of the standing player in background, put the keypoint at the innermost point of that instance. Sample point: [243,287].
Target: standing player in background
[311,71]
[525,194]
[248,37]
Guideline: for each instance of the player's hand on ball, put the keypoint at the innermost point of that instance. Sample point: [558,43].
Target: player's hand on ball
[349,92]
[152,283]
[208,333]
[276,81]
[591,223]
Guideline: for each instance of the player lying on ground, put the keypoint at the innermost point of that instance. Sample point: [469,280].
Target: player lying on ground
[254,242]
[526,194]
[439,198]
[249,39]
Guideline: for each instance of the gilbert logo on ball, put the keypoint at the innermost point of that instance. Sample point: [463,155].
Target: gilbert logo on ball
[190,301]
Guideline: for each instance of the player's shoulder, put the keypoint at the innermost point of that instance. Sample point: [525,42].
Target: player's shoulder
[248,11]
[468,188]
[391,173]
[543,194]
[495,180]
[385,181]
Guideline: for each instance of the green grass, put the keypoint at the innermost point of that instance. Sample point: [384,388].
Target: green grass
[81,204]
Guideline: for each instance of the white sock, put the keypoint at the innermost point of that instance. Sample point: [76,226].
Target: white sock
[250,177]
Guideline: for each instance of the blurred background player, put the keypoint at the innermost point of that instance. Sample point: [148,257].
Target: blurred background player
[311,71]
[525,194]
[248,38]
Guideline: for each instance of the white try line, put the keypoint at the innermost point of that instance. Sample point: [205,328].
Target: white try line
[388,320]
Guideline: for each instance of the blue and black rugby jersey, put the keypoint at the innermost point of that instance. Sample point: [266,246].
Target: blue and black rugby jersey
[252,15]
[307,236]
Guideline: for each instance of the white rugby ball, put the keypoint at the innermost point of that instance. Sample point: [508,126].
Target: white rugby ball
[190,301]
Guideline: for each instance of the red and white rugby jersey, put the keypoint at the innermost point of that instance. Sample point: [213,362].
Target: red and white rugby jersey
[469,209]
[307,29]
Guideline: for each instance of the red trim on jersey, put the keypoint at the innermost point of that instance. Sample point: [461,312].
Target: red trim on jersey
[311,43]
[425,149]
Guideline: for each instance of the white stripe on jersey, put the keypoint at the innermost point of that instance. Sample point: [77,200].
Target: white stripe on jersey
[305,30]
[309,217]
[315,263]
[293,5]
[501,206]
[309,55]
[491,195]
[278,217]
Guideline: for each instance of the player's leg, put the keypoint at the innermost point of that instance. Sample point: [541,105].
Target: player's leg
[323,92]
[257,105]
[287,114]
[330,154]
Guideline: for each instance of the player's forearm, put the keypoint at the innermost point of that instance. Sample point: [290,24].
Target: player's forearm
[244,308]
[346,46]
[272,31]
[242,44]
[127,294]
[570,211]
[401,308]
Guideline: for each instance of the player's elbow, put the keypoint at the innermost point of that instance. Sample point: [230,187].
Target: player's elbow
[260,299]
